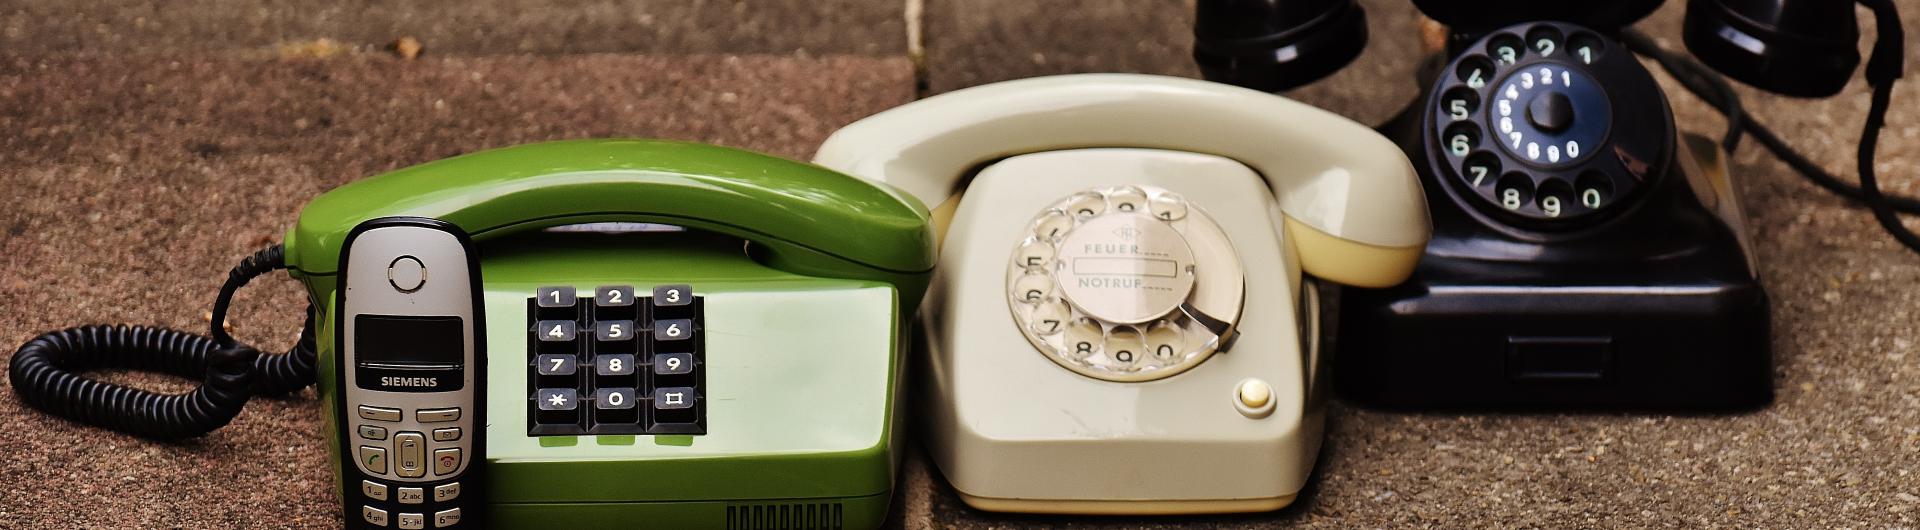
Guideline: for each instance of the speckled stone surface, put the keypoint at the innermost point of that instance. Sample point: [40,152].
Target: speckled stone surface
[133,180]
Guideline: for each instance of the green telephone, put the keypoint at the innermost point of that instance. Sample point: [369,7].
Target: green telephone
[627,333]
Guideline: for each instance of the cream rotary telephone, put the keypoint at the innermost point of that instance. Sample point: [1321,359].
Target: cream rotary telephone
[1120,320]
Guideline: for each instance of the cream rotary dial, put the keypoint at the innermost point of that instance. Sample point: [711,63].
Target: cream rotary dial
[1128,283]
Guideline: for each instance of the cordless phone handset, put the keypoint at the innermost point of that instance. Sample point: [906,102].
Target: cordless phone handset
[410,412]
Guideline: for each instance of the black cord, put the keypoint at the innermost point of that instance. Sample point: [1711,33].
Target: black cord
[1883,69]
[46,370]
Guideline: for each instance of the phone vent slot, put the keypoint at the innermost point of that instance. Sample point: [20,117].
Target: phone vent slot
[810,516]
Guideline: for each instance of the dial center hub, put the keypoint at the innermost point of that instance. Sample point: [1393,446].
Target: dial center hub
[1126,268]
[1551,111]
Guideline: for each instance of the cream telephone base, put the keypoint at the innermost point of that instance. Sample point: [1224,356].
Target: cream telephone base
[1119,321]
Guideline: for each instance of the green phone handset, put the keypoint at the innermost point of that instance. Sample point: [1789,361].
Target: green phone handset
[615,332]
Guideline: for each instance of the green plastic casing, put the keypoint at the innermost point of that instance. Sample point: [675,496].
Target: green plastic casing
[808,277]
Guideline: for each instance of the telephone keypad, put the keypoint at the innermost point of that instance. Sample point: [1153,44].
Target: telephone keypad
[375,458]
[446,492]
[446,518]
[372,432]
[446,434]
[446,460]
[645,356]
[412,495]
[412,521]
[411,449]
[437,415]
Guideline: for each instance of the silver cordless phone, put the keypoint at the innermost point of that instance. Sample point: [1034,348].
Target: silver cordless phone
[412,366]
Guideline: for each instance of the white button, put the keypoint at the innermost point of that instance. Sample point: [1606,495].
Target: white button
[412,495]
[1253,398]
[406,274]
[373,516]
[446,492]
[379,413]
[446,518]
[446,434]
[373,490]
[445,461]
[412,521]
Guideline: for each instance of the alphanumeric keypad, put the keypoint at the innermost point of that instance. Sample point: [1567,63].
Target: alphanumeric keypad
[616,363]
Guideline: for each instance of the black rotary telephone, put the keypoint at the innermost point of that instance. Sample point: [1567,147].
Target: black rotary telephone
[1585,252]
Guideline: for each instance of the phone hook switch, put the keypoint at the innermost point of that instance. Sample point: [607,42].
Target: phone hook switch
[1253,398]
[406,274]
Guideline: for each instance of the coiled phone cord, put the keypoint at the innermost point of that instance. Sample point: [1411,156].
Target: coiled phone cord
[46,370]
[1884,67]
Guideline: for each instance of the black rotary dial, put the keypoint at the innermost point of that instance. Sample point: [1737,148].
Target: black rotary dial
[1547,123]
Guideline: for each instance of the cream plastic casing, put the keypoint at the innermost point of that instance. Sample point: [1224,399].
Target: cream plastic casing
[1295,188]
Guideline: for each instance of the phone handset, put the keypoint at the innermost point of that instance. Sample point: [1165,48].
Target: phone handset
[1349,202]
[797,217]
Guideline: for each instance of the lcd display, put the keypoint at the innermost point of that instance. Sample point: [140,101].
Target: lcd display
[418,340]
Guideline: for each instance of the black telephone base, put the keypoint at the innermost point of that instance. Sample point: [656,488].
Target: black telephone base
[1433,343]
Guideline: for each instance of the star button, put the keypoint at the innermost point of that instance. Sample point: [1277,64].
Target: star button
[557,400]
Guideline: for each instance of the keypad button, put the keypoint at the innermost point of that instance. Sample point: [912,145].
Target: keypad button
[613,398]
[1032,287]
[554,297]
[1036,255]
[678,329]
[557,399]
[1049,317]
[409,448]
[613,296]
[612,365]
[1084,205]
[374,459]
[613,330]
[675,397]
[554,330]
[446,492]
[412,521]
[379,413]
[673,363]
[373,490]
[1128,199]
[446,461]
[436,415]
[676,295]
[446,434]
[1084,337]
[1168,207]
[446,518]
[412,495]
[554,364]
[372,432]
[1051,226]
[373,516]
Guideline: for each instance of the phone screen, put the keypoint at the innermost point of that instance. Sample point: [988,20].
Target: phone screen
[415,340]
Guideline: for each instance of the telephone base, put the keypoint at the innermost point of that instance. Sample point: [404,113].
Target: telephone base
[1669,346]
[1126,507]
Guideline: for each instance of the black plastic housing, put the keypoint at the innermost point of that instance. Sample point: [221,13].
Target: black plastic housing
[1803,48]
[1275,45]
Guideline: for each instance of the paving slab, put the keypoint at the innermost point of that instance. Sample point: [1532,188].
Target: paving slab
[809,27]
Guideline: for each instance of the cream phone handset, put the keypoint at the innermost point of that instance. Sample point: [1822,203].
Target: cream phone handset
[1147,236]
